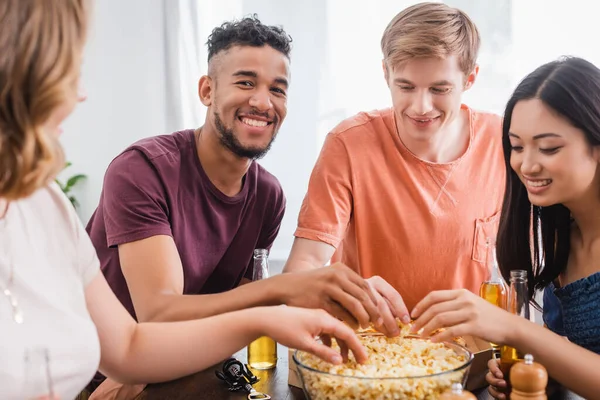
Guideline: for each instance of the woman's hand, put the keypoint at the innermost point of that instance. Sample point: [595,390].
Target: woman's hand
[461,313]
[496,380]
[300,328]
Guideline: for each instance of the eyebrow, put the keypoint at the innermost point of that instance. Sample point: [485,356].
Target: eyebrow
[436,83]
[536,137]
[252,74]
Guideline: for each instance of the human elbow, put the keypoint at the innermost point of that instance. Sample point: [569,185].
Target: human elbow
[158,310]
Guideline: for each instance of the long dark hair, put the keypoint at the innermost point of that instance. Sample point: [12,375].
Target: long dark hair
[537,239]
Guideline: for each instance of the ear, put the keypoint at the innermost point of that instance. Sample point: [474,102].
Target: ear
[205,90]
[386,73]
[471,78]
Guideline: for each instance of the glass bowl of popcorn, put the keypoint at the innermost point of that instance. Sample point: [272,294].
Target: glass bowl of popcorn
[403,367]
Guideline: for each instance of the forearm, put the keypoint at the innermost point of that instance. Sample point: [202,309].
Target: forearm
[188,307]
[295,265]
[160,352]
[573,366]
[308,254]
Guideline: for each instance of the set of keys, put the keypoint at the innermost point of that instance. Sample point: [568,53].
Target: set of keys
[238,377]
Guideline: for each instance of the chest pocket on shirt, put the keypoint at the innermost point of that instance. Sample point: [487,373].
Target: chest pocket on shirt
[484,228]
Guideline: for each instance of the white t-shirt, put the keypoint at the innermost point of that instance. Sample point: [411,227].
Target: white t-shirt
[54,260]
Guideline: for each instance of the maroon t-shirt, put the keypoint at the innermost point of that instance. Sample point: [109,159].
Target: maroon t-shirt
[157,187]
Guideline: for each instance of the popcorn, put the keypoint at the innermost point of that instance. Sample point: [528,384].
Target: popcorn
[405,331]
[397,368]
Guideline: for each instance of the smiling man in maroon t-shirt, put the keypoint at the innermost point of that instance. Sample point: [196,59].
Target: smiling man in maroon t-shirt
[181,214]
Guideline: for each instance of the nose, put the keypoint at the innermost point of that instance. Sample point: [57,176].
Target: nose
[261,100]
[529,164]
[422,103]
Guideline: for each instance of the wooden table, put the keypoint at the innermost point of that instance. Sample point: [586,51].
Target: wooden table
[205,385]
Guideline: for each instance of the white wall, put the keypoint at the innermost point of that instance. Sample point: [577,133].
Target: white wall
[294,152]
[124,76]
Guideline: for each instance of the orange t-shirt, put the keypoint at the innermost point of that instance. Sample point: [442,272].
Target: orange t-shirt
[419,225]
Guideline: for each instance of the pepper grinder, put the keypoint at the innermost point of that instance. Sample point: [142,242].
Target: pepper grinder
[528,380]
[457,393]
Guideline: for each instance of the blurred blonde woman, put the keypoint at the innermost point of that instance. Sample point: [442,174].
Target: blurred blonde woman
[52,293]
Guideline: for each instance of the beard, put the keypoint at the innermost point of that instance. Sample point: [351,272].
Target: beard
[230,141]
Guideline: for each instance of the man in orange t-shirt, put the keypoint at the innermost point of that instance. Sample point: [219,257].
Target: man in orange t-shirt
[407,196]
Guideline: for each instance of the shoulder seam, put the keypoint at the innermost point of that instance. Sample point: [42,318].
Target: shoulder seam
[354,125]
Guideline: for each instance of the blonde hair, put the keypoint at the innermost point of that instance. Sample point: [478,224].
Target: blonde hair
[431,30]
[40,45]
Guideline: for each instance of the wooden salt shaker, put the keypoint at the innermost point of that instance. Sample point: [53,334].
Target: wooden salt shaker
[528,380]
[457,393]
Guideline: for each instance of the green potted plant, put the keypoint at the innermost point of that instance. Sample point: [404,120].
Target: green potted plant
[70,183]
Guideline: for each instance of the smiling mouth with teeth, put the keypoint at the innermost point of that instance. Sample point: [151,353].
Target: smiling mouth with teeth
[540,183]
[254,122]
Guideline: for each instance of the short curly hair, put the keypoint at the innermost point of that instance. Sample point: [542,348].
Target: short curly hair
[248,31]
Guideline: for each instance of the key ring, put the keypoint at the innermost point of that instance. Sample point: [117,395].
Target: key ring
[239,377]
[254,395]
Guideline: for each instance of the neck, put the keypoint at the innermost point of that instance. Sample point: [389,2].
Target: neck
[587,218]
[224,169]
[446,145]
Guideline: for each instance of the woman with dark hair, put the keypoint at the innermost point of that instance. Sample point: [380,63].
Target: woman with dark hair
[550,227]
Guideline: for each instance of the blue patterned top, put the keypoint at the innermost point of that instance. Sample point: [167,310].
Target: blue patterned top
[574,311]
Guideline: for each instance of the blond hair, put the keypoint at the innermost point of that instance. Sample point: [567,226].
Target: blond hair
[40,45]
[431,30]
